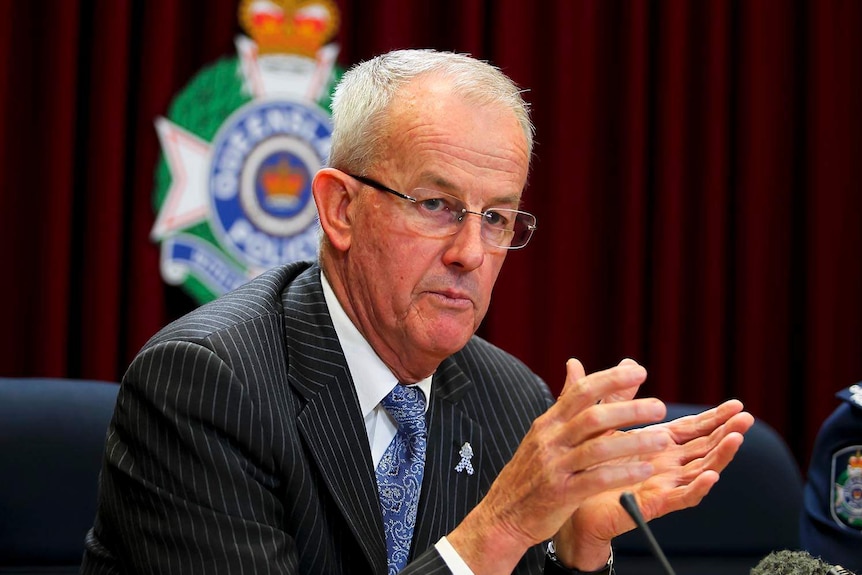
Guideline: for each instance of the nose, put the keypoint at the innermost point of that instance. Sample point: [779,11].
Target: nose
[466,249]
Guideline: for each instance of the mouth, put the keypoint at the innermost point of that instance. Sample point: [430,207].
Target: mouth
[452,298]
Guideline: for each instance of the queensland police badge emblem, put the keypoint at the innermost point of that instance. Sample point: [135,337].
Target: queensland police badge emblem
[847,487]
[240,147]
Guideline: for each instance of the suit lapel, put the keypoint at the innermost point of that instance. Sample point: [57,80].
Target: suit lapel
[448,495]
[330,421]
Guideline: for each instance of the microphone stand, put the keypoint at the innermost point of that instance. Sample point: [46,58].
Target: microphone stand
[627,500]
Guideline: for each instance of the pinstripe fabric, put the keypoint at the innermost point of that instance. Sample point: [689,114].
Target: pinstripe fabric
[237,444]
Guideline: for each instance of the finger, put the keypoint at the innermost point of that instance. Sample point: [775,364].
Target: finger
[614,450]
[699,447]
[555,433]
[604,478]
[685,429]
[582,391]
[700,476]
[602,418]
[559,431]
[574,372]
[721,455]
[740,422]
[689,495]
[715,461]
[625,394]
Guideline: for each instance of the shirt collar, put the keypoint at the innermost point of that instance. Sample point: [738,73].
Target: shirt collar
[371,377]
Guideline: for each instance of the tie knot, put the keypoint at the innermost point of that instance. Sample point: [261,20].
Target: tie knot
[407,406]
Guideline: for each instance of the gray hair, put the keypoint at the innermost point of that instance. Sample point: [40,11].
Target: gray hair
[363,95]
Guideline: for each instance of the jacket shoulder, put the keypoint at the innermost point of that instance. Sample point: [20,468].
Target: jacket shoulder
[260,297]
[852,396]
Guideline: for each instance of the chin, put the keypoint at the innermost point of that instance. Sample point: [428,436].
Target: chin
[447,342]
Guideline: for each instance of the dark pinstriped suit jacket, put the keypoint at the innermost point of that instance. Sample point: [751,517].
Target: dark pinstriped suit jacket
[237,444]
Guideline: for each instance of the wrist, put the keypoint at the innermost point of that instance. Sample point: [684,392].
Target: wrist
[578,548]
[554,566]
[484,546]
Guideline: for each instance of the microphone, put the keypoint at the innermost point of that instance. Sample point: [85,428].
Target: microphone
[627,500]
[796,563]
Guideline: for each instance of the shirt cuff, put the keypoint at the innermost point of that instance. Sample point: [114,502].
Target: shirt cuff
[451,558]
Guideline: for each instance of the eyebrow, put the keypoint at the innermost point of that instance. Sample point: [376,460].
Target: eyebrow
[438,181]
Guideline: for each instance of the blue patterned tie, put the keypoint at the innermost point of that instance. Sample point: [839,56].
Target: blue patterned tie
[399,473]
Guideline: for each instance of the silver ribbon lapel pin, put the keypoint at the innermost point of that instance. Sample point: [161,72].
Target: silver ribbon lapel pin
[466,463]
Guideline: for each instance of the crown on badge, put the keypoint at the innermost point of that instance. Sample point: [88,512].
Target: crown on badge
[854,466]
[282,184]
[289,26]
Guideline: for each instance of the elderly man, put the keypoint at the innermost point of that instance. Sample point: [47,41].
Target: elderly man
[342,417]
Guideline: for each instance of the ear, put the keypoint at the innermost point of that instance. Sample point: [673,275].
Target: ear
[333,195]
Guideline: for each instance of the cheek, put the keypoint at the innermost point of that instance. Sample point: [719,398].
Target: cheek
[396,264]
[392,252]
[403,264]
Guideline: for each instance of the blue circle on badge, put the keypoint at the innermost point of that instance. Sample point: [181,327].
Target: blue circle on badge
[264,158]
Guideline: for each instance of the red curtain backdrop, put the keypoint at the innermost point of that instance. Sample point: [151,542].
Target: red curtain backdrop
[696,181]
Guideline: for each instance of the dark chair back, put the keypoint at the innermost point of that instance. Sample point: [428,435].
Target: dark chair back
[52,437]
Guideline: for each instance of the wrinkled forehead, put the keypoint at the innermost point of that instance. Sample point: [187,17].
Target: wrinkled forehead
[445,140]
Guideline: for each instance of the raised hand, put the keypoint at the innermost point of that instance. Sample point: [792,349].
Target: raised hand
[572,453]
[699,448]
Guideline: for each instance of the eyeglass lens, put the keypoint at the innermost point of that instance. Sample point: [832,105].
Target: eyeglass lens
[441,213]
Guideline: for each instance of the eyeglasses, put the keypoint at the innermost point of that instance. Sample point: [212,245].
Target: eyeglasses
[438,214]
